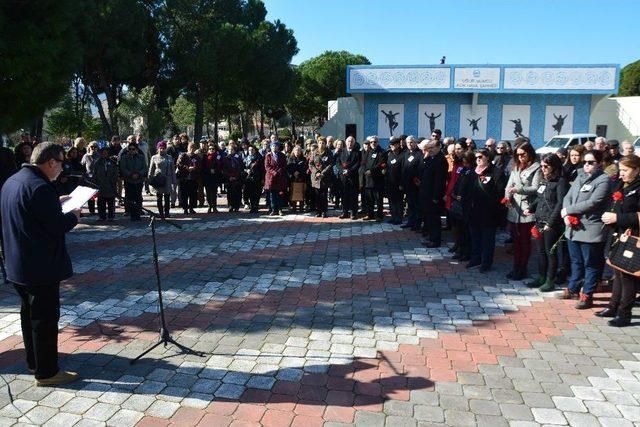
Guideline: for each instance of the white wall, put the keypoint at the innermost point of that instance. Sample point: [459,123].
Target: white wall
[620,114]
[341,112]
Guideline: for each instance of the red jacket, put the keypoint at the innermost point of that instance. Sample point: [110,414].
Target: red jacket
[276,172]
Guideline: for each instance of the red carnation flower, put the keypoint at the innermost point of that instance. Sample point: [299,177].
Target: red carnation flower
[617,196]
[345,165]
[535,233]
[505,201]
[383,165]
[574,221]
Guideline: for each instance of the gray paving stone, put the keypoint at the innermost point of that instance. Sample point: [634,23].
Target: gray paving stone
[162,409]
[138,402]
[78,405]
[516,412]
[459,418]
[631,413]
[614,422]
[506,396]
[101,411]
[423,397]
[490,421]
[369,419]
[450,388]
[395,407]
[395,421]
[572,404]
[429,413]
[484,407]
[537,400]
[57,399]
[38,415]
[548,416]
[581,420]
[459,403]
[63,419]
[470,378]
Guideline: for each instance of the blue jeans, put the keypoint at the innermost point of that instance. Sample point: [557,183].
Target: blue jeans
[587,262]
[483,244]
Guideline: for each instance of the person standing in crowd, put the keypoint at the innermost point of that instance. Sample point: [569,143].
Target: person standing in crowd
[609,165]
[548,223]
[234,170]
[133,169]
[336,185]
[393,181]
[375,164]
[433,181]
[188,168]
[87,163]
[33,230]
[410,175]
[471,144]
[481,195]
[490,144]
[600,144]
[622,217]
[503,158]
[212,172]
[72,169]
[457,168]
[144,149]
[363,159]
[521,190]
[264,147]
[459,211]
[297,168]
[105,175]
[436,135]
[349,166]
[7,164]
[588,146]
[22,154]
[627,148]
[320,173]
[573,164]
[275,182]
[584,204]
[202,152]
[254,169]
[162,177]
[80,145]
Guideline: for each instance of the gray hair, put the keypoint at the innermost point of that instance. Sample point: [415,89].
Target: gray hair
[410,138]
[372,138]
[46,151]
[448,140]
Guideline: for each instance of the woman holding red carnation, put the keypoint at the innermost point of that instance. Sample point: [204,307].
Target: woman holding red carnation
[521,191]
[546,208]
[623,216]
[582,210]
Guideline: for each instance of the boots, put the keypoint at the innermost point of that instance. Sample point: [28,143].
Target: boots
[547,286]
[586,301]
[567,294]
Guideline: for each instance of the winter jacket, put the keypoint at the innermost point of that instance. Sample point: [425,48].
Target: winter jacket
[321,170]
[133,167]
[163,165]
[587,198]
[481,197]
[374,165]
[105,175]
[526,183]
[276,172]
[548,203]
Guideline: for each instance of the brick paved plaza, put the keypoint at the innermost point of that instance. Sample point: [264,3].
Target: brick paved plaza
[309,322]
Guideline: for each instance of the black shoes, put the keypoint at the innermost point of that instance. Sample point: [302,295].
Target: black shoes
[619,322]
[607,312]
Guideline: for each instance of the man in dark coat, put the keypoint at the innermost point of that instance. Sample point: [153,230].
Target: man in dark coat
[393,181]
[34,227]
[374,165]
[433,182]
[411,160]
[349,166]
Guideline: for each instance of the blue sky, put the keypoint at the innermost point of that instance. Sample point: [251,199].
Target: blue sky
[467,32]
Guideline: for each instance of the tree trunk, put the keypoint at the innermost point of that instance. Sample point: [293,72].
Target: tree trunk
[261,124]
[106,126]
[36,128]
[275,127]
[216,105]
[294,134]
[197,131]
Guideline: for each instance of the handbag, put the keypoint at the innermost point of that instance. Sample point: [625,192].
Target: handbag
[158,180]
[624,253]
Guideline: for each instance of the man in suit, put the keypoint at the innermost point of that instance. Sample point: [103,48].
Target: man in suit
[411,160]
[374,166]
[433,183]
[349,166]
[33,228]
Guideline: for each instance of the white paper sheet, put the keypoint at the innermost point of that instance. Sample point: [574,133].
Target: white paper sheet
[78,198]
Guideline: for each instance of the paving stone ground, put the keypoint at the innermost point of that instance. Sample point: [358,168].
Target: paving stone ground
[307,321]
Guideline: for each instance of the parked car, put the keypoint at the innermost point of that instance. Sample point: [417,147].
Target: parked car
[636,146]
[565,141]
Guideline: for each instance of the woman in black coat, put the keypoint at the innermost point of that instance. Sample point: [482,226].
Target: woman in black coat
[297,170]
[483,193]
[548,224]
[460,208]
[622,216]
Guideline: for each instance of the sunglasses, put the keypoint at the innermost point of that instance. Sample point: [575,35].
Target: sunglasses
[590,162]
[522,154]
[479,157]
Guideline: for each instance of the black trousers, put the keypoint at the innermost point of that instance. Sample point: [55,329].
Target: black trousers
[212,194]
[234,194]
[350,199]
[431,215]
[253,191]
[106,205]
[547,261]
[163,208]
[133,198]
[39,315]
[623,293]
[372,200]
[322,202]
[188,194]
[396,205]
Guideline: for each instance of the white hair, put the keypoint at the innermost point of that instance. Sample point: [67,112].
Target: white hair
[372,138]
[601,139]
[410,138]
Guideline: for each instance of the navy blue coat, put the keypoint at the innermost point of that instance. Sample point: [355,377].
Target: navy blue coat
[33,228]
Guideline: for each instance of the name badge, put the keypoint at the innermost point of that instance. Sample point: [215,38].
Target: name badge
[235,155]
[631,192]
[393,162]
[459,170]
[218,157]
[486,179]
[541,189]
[374,155]
[586,188]
[410,158]
[324,159]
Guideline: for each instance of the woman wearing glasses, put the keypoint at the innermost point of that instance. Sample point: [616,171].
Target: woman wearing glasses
[484,187]
[582,210]
[521,191]
[548,222]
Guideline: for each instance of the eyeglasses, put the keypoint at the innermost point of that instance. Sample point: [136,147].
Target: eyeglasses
[590,162]
[479,157]
[521,154]
[500,148]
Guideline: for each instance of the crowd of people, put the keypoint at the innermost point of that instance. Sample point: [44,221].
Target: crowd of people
[558,205]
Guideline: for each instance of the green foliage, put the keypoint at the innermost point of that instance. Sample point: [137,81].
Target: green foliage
[143,103]
[236,135]
[630,80]
[39,51]
[183,112]
[66,121]
[320,80]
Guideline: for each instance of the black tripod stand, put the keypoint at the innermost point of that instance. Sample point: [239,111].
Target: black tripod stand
[165,336]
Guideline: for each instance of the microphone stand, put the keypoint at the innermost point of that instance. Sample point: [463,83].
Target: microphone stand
[165,337]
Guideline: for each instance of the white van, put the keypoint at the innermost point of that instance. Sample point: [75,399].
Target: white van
[565,141]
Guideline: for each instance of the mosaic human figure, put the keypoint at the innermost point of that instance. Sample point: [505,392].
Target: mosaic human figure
[517,130]
[390,118]
[432,120]
[474,125]
[559,122]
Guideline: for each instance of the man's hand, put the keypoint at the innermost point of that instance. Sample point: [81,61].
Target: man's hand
[77,213]
[64,198]
[609,218]
[512,190]
[563,213]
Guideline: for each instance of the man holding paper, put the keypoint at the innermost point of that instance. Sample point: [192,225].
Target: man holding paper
[36,257]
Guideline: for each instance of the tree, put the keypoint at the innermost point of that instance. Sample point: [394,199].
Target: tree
[39,51]
[143,103]
[65,120]
[121,49]
[183,112]
[630,80]
[322,79]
